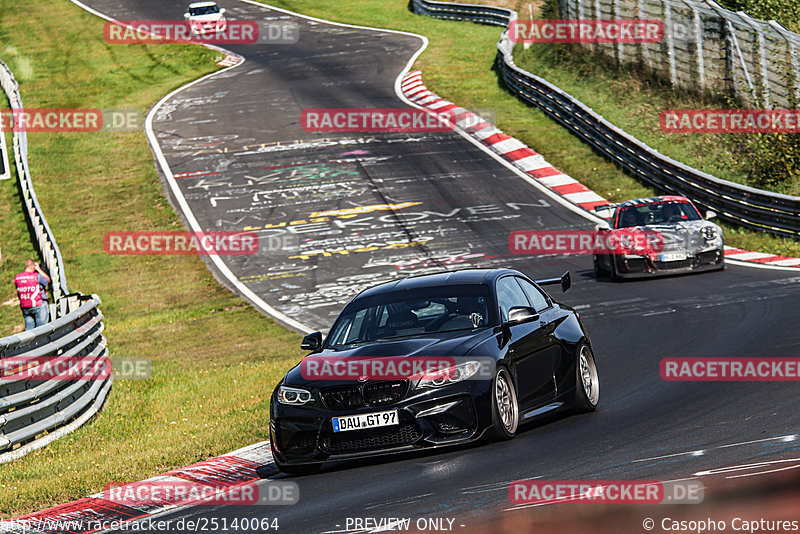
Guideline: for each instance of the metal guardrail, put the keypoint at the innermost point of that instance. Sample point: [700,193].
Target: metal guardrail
[30,409]
[498,16]
[35,412]
[739,204]
[46,242]
[706,46]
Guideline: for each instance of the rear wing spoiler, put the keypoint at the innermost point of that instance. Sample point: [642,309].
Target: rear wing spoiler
[564,280]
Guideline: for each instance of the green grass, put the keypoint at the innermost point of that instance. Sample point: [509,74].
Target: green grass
[215,359]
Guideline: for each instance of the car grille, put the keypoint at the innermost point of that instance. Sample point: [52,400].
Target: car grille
[302,442]
[381,393]
[710,256]
[373,439]
[372,394]
[668,265]
[342,398]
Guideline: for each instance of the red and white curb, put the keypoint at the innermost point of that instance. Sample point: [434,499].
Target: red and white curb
[506,146]
[763,258]
[230,60]
[84,515]
[535,165]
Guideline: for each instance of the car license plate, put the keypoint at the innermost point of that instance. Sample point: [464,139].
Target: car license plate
[674,256]
[365,420]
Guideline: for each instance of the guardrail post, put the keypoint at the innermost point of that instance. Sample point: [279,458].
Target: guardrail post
[644,53]
[792,49]
[669,30]
[698,40]
[738,54]
[762,56]
[620,46]
[598,14]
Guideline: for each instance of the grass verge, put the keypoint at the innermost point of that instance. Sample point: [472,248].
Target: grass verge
[215,359]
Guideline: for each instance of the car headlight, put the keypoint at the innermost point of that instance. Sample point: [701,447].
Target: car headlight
[293,396]
[450,375]
[709,233]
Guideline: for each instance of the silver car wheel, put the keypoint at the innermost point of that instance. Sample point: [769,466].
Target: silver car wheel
[506,401]
[588,373]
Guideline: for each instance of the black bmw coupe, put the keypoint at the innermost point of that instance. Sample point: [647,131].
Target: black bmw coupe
[505,352]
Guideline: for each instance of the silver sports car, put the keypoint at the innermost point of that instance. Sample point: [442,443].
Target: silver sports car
[685,241]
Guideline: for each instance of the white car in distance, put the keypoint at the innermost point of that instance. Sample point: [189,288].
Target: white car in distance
[205,17]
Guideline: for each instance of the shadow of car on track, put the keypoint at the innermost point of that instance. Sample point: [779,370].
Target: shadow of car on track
[270,471]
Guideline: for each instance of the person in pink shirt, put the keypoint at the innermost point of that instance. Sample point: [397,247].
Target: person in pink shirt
[32,291]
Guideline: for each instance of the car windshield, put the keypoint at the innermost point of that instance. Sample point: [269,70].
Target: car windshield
[204,10]
[411,313]
[656,213]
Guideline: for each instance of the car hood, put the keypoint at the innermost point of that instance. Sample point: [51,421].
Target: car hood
[211,17]
[445,344]
[683,235]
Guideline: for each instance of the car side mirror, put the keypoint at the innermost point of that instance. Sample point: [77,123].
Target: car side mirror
[521,314]
[222,11]
[186,15]
[711,214]
[312,341]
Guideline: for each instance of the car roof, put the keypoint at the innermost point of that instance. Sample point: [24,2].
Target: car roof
[460,277]
[652,200]
[202,4]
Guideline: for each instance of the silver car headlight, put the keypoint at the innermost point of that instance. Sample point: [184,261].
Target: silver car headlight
[293,396]
[450,375]
[709,233]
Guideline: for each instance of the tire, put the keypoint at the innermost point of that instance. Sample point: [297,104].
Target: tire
[598,270]
[505,406]
[299,470]
[612,273]
[587,382]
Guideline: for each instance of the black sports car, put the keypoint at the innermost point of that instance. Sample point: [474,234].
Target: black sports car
[513,352]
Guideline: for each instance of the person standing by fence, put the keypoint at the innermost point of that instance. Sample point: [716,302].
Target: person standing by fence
[32,291]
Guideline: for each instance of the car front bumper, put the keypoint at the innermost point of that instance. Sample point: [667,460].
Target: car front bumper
[304,434]
[643,266]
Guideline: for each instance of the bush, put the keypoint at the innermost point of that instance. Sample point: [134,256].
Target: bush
[787,12]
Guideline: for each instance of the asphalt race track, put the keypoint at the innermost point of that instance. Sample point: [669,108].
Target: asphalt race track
[240,159]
